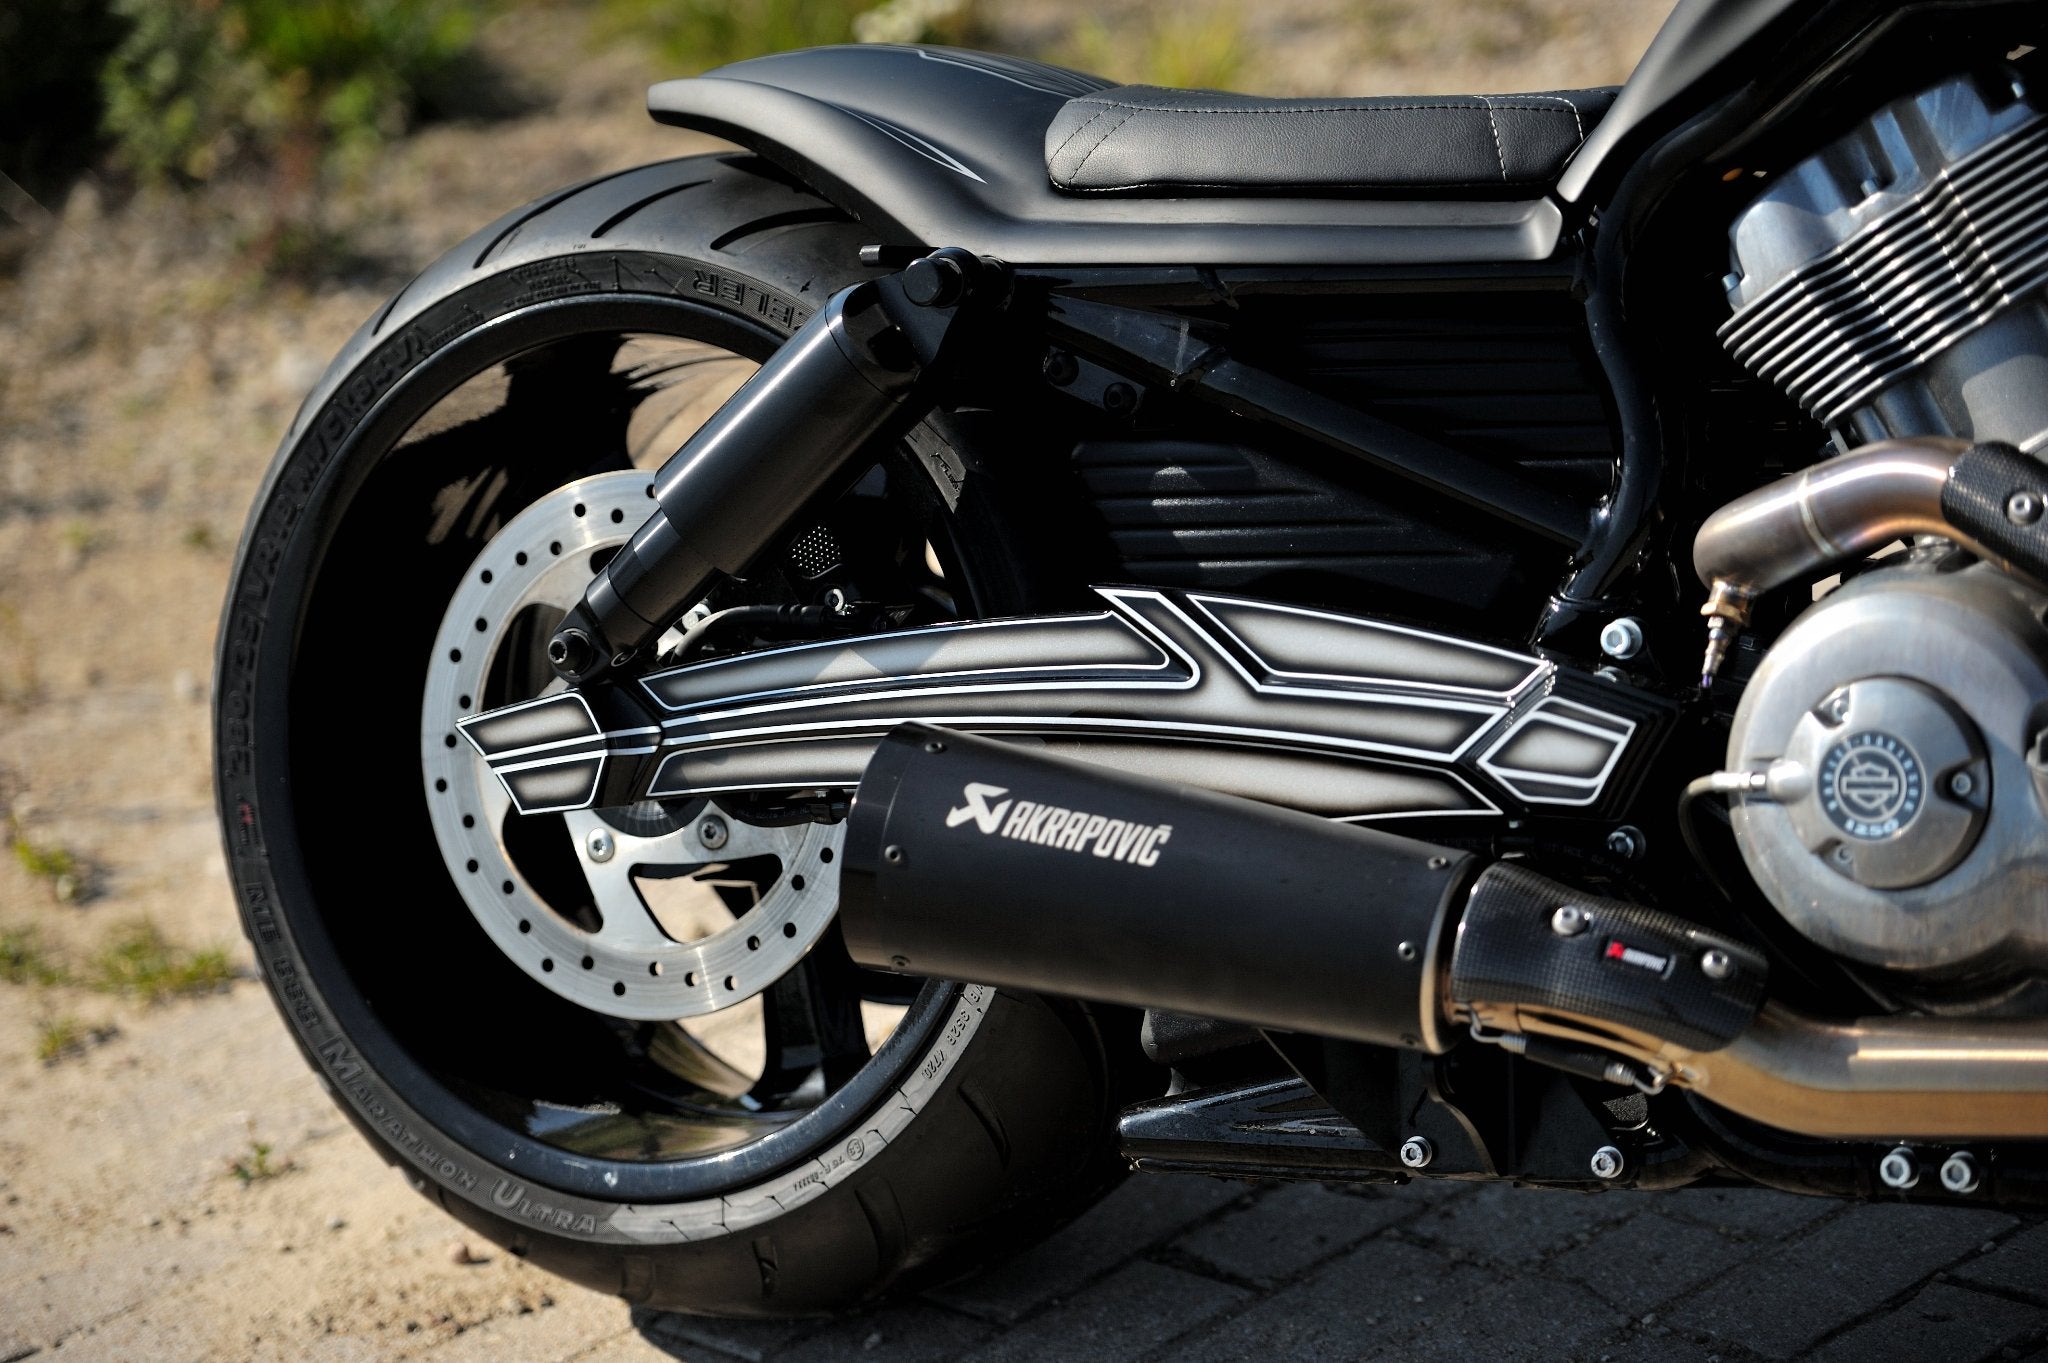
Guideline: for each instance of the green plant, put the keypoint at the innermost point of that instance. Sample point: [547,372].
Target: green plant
[62,1036]
[24,961]
[199,86]
[695,34]
[49,862]
[140,960]
[255,1165]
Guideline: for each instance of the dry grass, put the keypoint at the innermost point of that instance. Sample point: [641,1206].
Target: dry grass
[140,961]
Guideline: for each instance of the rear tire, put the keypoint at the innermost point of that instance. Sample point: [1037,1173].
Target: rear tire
[986,1129]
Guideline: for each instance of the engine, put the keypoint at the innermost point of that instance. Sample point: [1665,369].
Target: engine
[1895,284]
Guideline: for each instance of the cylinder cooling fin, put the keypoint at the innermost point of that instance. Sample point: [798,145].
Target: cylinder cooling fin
[1895,283]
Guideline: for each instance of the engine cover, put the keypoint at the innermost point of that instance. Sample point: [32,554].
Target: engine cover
[1902,822]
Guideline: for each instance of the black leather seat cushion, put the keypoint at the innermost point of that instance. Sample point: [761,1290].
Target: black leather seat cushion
[1140,138]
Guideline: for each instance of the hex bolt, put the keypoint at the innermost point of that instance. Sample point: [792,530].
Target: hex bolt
[1962,785]
[1716,964]
[598,843]
[2023,507]
[1627,841]
[1417,1152]
[1406,951]
[1899,1170]
[572,652]
[1623,638]
[933,281]
[1060,368]
[1570,920]
[1959,1173]
[1607,1163]
[893,854]
[713,832]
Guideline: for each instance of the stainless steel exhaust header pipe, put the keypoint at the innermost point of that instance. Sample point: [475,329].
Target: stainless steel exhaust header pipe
[1987,498]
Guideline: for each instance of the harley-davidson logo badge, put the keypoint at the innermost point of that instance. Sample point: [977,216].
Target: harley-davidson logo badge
[1870,785]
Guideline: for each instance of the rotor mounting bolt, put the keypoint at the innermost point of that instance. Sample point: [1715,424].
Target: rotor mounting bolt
[2023,507]
[1899,1170]
[1417,1152]
[1959,1173]
[1626,841]
[1570,920]
[1623,638]
[1962,785]
[1607,1163]
[713,833]
[1716,964]
[598,843]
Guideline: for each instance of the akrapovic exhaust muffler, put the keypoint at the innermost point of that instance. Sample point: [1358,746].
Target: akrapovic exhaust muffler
[977,860]
[985,861]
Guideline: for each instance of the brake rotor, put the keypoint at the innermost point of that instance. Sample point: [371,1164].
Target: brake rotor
[620,960]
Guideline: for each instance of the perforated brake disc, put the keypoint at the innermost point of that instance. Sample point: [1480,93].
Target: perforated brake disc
[625,965]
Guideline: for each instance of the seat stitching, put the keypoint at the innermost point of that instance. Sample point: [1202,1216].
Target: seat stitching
[1577,121]
[1077,132]
[1494,128]
[1317,109]
[1075,173]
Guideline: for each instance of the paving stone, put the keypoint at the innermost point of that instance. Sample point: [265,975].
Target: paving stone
[1287,1230]
[1753,1213]
[1648,1260]
[1513,1320]
[1145,1211]
[1138,1307]
[1377,1289]
[1784,1301]
[2018,1265]
[687,1336]
[1507,1224]
[1945,1322]
[911,1333]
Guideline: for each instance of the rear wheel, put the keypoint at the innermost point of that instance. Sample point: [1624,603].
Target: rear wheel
[626,1043]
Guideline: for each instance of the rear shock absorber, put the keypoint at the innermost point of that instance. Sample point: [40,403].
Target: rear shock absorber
[774,445]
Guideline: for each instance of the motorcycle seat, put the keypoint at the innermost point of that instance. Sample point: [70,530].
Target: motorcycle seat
[1142,139]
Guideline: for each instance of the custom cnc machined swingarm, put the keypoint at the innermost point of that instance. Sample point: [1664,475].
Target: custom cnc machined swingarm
[1338,715]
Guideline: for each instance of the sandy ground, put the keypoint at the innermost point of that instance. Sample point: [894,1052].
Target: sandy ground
[145,374]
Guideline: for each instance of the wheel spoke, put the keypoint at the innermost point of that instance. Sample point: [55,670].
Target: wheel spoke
[812,1021]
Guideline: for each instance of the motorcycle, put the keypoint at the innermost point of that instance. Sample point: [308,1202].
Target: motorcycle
[786,717]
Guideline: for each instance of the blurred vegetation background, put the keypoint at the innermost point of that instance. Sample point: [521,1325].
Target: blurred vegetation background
[302,94]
